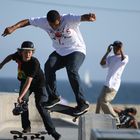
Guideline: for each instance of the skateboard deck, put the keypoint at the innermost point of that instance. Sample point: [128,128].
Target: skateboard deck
[67,110]
[33,135]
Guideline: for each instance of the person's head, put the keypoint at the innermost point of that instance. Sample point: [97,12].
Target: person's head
[53,18]
[27,49]
[117,47]
[131,110]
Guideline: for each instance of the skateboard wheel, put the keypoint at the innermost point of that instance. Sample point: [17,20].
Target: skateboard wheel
[32,137]
[74,120]
[14,137]
[42,138]
[25,137]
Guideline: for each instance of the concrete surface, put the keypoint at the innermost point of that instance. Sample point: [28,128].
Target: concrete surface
[68,130]
[90,120]
[64,125]
[115,134]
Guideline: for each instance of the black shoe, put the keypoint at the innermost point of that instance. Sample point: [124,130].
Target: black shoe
[51,102]
[56,136]
[26,130]
[81,109]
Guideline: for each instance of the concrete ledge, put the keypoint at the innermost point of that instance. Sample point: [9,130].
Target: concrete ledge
[91,120]
[7,101]
[115,134]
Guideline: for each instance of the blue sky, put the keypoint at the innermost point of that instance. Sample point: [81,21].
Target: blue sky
[116,20]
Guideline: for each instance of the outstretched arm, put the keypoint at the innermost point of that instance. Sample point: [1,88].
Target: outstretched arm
[6,60]
[88,17]
[20,24]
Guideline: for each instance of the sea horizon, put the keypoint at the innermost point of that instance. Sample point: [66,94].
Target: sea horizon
[127,94]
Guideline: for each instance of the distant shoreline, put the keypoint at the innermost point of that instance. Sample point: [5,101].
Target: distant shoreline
[127,94]
[100,81]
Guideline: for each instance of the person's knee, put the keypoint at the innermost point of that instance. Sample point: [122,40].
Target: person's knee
[49,67]
[103,104]
[72,72]
[100,100]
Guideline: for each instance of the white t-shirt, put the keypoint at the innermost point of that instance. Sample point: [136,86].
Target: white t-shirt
[67,38]
[115,69]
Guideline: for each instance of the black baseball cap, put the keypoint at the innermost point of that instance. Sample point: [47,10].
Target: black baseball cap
[27,45]
[117,43]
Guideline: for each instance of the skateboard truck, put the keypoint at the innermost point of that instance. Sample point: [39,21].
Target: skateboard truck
[76,117]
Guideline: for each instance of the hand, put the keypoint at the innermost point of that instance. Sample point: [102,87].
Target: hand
[19,100]
[121,49]
[109,48]
[7,31]
[92,17]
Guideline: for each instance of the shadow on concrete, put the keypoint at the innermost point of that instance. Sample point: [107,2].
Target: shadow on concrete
[63,123]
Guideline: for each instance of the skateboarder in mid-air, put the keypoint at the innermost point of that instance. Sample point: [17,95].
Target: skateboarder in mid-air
[70,52]
[32,79]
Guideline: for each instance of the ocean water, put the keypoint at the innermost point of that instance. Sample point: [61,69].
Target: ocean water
[129,93]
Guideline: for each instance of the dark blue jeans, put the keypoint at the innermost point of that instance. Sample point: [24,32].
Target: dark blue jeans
[72,63]
[40,96]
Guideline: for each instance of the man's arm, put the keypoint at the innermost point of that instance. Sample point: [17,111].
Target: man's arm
[88,17]
[117,110]
[135,124]
[6,60]
[11,29]
[103,60]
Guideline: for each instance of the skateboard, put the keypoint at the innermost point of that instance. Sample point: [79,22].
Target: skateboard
[67,110]
[33,135]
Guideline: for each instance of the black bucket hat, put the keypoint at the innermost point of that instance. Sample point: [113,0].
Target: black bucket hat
[26,45]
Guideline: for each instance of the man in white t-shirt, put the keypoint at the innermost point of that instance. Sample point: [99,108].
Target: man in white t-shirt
[70,51]
[115,64]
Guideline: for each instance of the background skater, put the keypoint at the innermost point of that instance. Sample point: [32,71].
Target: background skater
[115,64]
[127,117]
